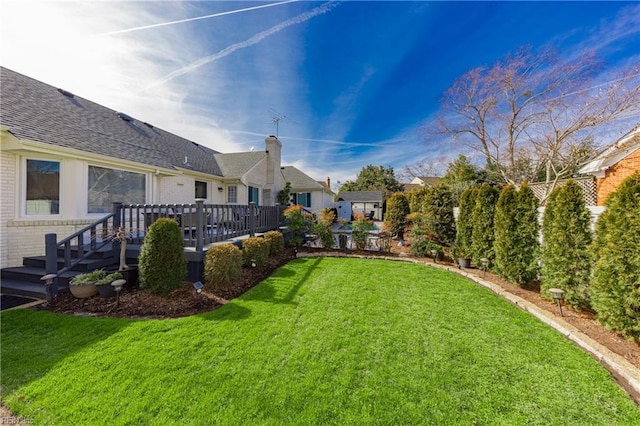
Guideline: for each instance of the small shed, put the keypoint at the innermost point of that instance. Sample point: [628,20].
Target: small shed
[367,203]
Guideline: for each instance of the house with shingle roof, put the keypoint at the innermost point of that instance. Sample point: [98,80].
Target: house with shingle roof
[365,203]
[306,191]
[65,160]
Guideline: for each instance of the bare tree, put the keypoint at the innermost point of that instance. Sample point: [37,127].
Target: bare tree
[430,166]
[533,112]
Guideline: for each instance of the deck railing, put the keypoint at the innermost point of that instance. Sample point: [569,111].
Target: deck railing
[201,224]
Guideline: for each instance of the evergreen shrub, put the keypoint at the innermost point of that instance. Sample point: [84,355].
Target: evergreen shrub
[222,265]
[566,236]
[615,287]
[395,218]
[162,265]
[438,206]
[275,240]
[298,222]
[483,236]
[464,224]
[255,250]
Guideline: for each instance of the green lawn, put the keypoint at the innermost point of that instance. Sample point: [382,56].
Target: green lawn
[323,341]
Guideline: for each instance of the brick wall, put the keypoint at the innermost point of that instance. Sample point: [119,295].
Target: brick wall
[616,174]
[7,201]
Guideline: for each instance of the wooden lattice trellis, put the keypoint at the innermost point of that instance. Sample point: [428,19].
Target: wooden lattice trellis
[587,184]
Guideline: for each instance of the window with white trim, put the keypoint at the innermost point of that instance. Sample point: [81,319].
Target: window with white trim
[43,187]
[107,186]
[232,194]
[254,195]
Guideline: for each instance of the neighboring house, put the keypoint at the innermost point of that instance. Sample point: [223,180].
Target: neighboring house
[306,191]
[614,164]
[420,182]
[360,202]
[65,160]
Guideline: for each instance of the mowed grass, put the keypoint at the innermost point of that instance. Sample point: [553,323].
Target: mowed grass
[323,341]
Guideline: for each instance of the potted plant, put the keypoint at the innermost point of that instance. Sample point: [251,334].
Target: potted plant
[104,284]
[84,285]
[463,254]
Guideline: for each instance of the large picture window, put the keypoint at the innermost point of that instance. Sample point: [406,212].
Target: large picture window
[107,186]
[43,187]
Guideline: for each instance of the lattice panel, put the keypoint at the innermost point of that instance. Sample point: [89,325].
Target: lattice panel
[587,184]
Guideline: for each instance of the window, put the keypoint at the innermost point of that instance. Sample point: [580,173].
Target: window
[302,198]
[254,195]
[201,189]
[107,186]
[232,194]
[43,187]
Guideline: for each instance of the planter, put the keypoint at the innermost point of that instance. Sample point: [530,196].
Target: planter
[106,290]
[83,291]
[131,275]
[464,262]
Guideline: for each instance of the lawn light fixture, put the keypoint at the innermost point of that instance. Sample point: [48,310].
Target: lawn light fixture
[253,263]
[48,284]
[558,296]
[198,286]
[484,263]
[434,255]
[117,286]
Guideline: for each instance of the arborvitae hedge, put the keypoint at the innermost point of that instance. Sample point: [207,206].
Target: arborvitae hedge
[483,236]
[438,207]
[566,237]
[615,287]
[464,224]
[162,265]
[395,218]
[516,235]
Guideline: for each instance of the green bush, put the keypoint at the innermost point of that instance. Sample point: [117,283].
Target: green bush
[615,288]
[438,207]
[516,235]
[464,224]
[395,218]
[255,250]
[298,223]
[275,240]
[423,247]
[162,265]
[360,232]
[323,228]
[566,236]
[222,265]
[483,236]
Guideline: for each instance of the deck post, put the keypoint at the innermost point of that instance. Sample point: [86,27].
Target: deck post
[117,223]
[51,253]
[199,225]
[252,219]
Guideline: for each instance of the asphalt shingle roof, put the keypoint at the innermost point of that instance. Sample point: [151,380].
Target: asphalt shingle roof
[36,111]
[361,196]
[300,181]
[235,165]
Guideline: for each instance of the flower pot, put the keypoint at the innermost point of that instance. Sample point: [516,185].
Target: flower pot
[83,291]
[464,262]
[106,290]
[131,275]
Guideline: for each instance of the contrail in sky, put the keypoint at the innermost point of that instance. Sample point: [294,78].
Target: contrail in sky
[215,15]
[324,8]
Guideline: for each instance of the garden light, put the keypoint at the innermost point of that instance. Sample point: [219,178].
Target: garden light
[484,262]
[434,255]
[558,296]
[48,283]
[117,286]
[198,286]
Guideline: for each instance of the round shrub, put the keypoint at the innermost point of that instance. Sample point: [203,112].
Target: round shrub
[275,240]
[255,250]
[483,236]
[222,265]
[565,245]
[615,288]
[396,216]
[162,265]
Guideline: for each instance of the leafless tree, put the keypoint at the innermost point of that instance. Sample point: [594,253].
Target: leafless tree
[533,112]
[430,166]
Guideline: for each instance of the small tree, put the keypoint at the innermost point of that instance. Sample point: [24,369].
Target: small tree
[464,225]
[565,248]
[483,236]
[516,235]
[438,207]
[284,194]
[395,219]
[298,223]
[162,265]
[615,288]
[322,228]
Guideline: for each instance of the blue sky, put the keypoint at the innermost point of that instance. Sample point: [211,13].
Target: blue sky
[353,82]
